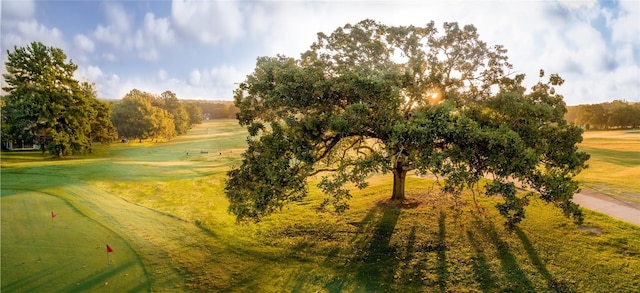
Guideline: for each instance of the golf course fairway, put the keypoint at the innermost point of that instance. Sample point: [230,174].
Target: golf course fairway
[42,253]
[161,207]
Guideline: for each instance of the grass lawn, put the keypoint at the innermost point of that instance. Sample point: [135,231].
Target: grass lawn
[614,167]
[62,254]
[163,207]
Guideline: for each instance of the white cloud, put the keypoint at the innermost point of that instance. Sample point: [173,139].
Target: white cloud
[156,32]
[83,43]
[558,36]
[107,35]
[162,75]
[117,17]
[24,32]
[158,29]
[18,9]
[89,73]
[208,22]
[214,83]
[109,57]
[150,54]
[144,41]
[194,77]
[626,28]
[576,4]
[117,31]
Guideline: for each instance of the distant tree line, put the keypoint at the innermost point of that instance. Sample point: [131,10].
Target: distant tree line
[217,109]
[44,107]
[615,114]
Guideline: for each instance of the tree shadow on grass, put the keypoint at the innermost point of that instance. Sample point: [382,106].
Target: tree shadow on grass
[552,283]
[98,279]
[480,265]
[371,255]
[378,261]
[518,281]
[442,268]
[385,265]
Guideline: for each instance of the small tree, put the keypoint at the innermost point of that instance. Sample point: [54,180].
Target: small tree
[371,98]
[102,129]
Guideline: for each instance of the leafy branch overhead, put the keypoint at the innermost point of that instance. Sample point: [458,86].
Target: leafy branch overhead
[371,98]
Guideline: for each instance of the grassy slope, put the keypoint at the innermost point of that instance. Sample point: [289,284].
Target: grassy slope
[433,243]
[614,167]
[65,254]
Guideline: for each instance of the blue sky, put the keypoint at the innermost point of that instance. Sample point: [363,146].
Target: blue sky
[200,49]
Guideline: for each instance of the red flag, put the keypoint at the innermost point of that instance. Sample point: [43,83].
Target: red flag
[53,214]
[109,248]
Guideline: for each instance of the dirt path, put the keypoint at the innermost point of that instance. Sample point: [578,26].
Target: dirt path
[611,206]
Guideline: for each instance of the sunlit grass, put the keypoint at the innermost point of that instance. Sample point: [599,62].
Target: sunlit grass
[614,167]
[170,209]
[62,254]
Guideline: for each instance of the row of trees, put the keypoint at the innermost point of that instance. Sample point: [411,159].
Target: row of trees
[616,114]
[45,105]
[218,109]
[142,115]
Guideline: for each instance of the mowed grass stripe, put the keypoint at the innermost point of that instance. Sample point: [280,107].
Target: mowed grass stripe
[151,234]
[614,167]
[617,157]
[63,254]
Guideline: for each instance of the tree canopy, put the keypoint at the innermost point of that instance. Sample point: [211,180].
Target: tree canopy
[135,116]
[144,115]
[45,104]
[194,112]
[177,110]
[371,98]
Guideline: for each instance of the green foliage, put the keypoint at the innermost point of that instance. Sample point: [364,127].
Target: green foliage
[102,129]
[45,104]
[194,112]
[135,116]
[615,114]
[217,109]
[177,109]
[371,98]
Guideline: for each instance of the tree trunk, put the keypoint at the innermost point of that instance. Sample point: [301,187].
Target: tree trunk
[399,175]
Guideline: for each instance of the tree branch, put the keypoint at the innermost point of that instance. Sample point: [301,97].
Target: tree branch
[322,170]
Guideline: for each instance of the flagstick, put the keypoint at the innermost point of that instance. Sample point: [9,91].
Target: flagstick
[108,261]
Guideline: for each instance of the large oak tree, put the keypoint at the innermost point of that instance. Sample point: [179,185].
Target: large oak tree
[45,104]
[371,98]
